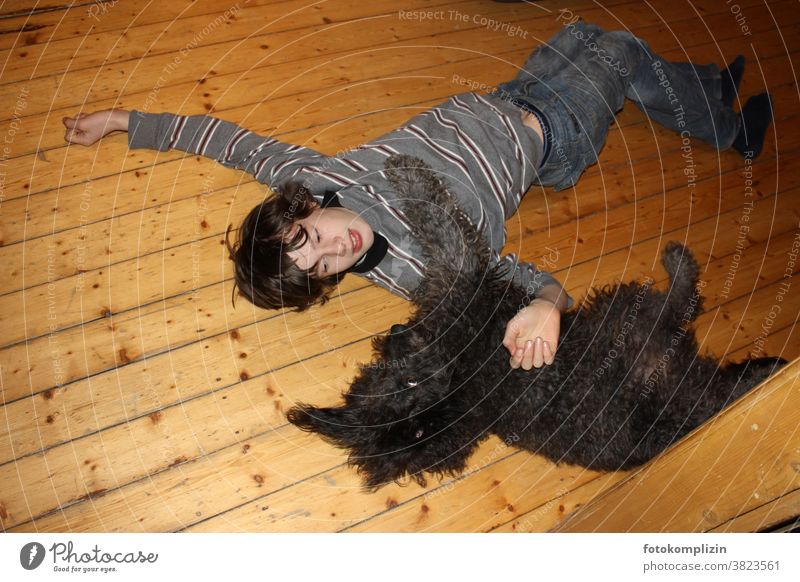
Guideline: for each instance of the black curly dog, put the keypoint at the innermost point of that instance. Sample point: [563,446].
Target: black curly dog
[627,381]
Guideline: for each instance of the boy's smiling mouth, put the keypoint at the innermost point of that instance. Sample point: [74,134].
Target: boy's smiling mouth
[355,241]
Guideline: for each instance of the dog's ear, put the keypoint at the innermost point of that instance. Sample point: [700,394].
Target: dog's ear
[397,344]
[397,329]
[342,426]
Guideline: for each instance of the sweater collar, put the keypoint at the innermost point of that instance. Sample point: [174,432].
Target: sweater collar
[376,252]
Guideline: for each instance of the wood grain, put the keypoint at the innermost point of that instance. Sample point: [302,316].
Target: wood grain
[135,397]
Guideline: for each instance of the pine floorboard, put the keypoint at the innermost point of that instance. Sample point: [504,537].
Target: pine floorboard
[135,397]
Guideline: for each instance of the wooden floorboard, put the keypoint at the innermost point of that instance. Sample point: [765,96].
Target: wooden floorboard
[136,398]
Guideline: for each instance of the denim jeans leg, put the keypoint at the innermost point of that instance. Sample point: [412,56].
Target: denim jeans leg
[708,75]
[681,96]
[578,97]
[580,79]
[559,53]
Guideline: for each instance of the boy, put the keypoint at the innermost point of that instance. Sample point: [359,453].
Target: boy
[334,215]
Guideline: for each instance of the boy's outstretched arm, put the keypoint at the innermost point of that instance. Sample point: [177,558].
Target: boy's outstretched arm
[86,128]
[271,161]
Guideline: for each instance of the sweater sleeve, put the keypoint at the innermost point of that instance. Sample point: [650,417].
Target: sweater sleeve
[526,275]
[270,161]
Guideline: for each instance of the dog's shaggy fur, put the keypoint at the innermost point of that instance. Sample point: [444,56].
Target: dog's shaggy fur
[627,381]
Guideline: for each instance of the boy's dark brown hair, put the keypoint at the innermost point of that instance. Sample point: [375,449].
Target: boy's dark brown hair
[263,271]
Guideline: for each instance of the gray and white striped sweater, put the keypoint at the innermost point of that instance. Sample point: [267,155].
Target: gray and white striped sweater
[476,143]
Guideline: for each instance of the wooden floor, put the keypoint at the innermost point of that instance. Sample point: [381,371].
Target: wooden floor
[136,398]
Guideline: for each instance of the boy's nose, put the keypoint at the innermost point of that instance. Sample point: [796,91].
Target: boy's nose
[336,246]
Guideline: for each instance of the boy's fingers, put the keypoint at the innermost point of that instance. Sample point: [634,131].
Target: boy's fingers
[527,359]
[516,356]
[538,353]
[509,340]
[73,136]
[548,354]
[534,354]
[73,122]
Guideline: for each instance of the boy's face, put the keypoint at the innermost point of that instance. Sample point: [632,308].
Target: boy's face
[337,239]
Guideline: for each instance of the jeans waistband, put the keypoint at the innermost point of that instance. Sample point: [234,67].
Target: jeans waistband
[547,131]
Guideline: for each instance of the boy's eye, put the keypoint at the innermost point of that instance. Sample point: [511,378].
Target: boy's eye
[316,233]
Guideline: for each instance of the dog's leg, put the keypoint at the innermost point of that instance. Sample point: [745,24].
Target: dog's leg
[718,386]
[743,376]
[704,391]
[684,299]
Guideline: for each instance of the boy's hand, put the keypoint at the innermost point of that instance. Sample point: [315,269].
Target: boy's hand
[532,335]
[86,128]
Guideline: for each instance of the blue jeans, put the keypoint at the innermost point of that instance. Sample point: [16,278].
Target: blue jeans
[580,79]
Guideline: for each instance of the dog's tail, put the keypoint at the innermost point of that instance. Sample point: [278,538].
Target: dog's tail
[683,296]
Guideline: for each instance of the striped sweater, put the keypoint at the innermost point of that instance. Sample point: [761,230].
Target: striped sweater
[477,144]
